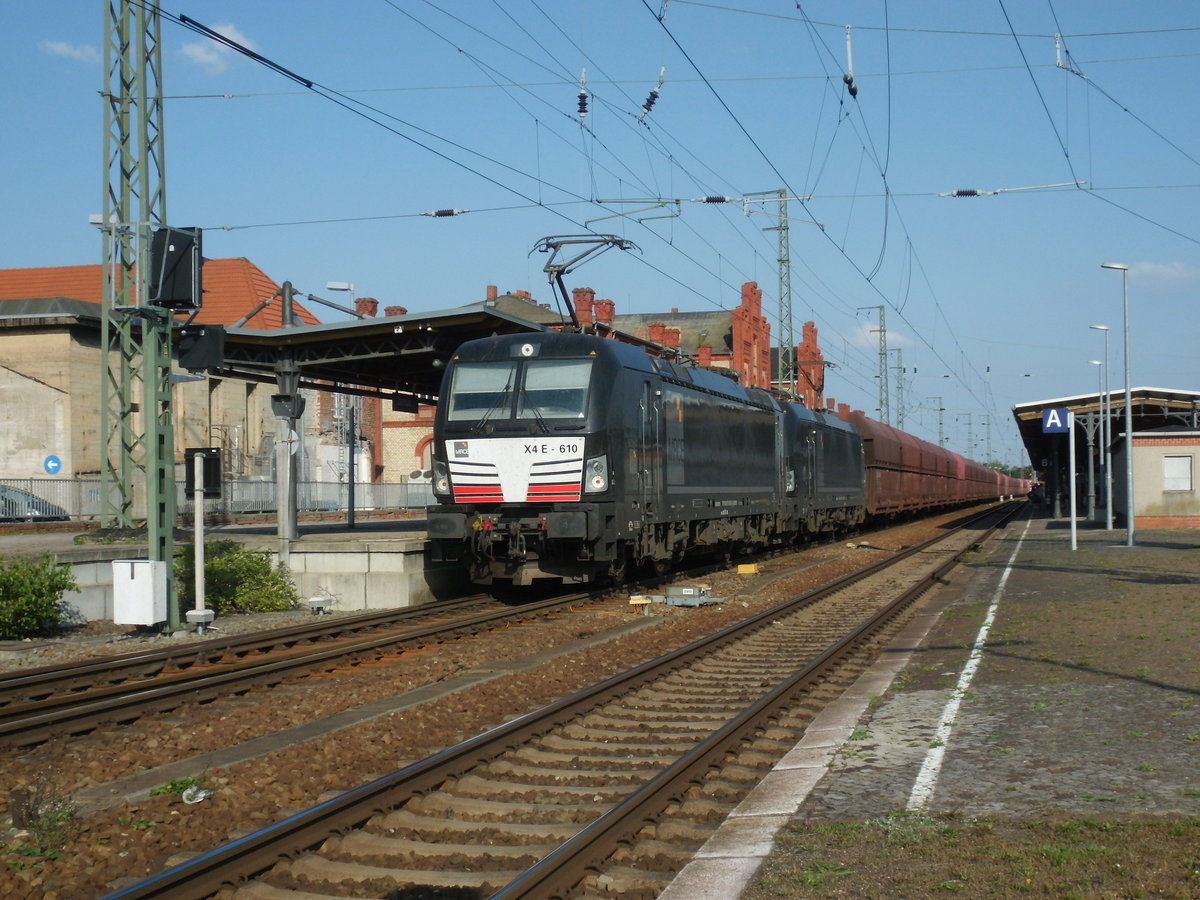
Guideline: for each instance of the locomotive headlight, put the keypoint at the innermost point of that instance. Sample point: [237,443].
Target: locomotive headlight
[595,475]
[441,479]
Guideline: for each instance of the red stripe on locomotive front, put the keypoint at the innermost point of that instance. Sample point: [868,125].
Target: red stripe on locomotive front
[553,492]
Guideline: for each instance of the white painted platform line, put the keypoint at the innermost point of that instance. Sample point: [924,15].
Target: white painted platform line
[927,778]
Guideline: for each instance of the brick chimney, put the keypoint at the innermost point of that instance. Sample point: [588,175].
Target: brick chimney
[604,312]
[657,330]
[671,338]
[366,306]
[585,300]
[752,298]
[810,365]
[492,293]
[704,356]
[395,310]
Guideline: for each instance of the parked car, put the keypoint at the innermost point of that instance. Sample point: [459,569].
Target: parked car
[17,505]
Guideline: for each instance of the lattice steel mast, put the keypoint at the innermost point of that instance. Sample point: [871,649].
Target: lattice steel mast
[786,372]
[136,337]
[885,415]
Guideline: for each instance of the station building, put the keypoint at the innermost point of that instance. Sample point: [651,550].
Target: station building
[1166,447]
[50,335]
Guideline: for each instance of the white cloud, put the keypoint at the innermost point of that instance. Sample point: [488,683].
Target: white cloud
[1174,276]
[212,56]
[81,52]
[866,333]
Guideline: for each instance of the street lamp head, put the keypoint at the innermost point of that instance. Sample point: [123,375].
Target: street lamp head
[1113,265]
[1099,327]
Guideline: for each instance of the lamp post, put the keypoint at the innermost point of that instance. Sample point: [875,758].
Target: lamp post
[1129,513]
[1091,512]
[1106,435]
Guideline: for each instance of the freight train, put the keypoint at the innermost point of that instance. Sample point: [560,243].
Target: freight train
[573,457]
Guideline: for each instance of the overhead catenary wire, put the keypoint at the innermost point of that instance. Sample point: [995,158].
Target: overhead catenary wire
[333,95]
[731,261]
[1063,147]
[758,148]
[489,71]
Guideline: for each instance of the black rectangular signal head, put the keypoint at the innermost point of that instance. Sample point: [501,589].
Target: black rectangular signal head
[211,470]
[201,347]
[175,263]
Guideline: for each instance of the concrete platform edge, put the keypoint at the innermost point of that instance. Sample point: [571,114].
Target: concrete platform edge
[725,865]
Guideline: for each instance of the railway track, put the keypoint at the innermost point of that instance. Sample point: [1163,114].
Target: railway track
[37,705]
[605,793]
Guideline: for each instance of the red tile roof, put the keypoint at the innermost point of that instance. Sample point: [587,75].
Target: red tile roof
[232,289]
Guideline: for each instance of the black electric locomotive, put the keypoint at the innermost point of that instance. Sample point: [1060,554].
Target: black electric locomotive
[568,456]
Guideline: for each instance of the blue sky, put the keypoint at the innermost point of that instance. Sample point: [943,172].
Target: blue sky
[473,105]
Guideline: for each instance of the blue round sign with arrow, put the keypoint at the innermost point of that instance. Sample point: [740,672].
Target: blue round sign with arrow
[52,465]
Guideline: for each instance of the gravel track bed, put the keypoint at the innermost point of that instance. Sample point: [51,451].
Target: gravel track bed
[132,841]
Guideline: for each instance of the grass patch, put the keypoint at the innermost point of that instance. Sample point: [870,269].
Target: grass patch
[45,818]
[917,855]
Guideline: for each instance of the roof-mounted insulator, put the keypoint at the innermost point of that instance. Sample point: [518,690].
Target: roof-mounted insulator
[653,98]
[443,213]
[583,95]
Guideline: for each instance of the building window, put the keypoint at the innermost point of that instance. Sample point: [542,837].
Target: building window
[1177,473]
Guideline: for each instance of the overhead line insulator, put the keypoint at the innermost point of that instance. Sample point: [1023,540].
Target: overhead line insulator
[443,213]
[653,98]
[848,78]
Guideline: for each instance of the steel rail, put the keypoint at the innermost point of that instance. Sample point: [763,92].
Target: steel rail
[52,678]
[558,873]
[243,858]
[26,724]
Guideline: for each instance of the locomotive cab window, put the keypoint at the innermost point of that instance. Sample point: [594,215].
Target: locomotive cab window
[481,390]
[555,389]
[536,389]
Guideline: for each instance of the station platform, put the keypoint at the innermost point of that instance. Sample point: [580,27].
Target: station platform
[380,563]
[68,541]
[1039,680]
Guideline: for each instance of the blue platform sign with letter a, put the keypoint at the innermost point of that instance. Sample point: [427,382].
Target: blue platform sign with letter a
[1056,421]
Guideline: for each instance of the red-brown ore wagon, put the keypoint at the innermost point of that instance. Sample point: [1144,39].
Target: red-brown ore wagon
[905,473]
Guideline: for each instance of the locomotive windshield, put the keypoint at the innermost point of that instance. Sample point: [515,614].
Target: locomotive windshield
[534,389]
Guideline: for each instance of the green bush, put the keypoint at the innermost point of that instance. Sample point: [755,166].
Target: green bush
[31,596]
[236,580]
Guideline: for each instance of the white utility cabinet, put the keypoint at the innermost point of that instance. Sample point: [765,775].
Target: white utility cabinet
[139,591]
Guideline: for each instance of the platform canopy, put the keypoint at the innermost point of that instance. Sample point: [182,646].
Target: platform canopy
[1153,409]
[400,358]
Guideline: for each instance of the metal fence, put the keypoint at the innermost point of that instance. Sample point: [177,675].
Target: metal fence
[79,498]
